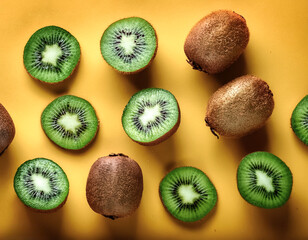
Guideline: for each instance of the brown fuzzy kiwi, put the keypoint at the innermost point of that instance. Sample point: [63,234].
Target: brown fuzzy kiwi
[239,107]
[7,129]
[114,186]
[216,41]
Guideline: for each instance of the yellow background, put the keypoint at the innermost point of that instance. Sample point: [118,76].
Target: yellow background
[277,52]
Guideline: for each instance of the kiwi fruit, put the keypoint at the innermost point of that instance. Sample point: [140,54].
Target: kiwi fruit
[114,186]
[51,54]
[188,194]
[239,107]
[264,180]
[151,116]
[299,120]
[129,45]
[70,122]
[216,41]
[41,185]
[7,129]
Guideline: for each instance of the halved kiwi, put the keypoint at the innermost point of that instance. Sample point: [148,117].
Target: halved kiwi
[129,44]
[299,120]
[264,180]
[70,122]
[41,184]
[151,116]
[188,194]
[51,54]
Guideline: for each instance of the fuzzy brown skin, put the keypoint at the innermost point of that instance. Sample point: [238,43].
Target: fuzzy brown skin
[166,135]
[114,186]
[216,41]
[141,69]
[240,107]
[7,129]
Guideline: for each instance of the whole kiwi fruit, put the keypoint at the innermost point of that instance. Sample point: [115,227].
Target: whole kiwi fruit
[216,41]
[239,107]
[114,186]
[7,129]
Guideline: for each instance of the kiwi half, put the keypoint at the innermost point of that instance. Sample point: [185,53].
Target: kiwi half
[299,120]
[114,186]
[240,107]
[216,41]
[151,116]
[70,122]
[188,194]
[51,54]
[129,44]
[264,180]
[41,184]
[7,129]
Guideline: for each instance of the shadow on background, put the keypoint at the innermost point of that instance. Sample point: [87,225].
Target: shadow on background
[301,145]
[256,141]
[165,153]
[140,80]
[277,220]
[6,166]
[43,225]
[122,228]
[237,69]
[56,88]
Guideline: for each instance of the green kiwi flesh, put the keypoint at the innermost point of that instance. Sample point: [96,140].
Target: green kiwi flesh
[70,122]
[129,44]
[239,107]
[216,41]
[114,186]
[264,180]
[7,129]
[151,116]
[299,120]
[41,184]
[188,194]
[51,54]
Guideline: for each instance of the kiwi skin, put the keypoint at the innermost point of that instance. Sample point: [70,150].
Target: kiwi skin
[141,69]
[240,107]
[114,186]
[7,129]
[216,41]
[165,136]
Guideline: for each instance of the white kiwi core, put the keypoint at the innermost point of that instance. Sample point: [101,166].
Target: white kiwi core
[69,122]
[265,181]
[51,54]
[188,194]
